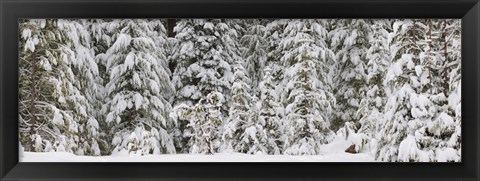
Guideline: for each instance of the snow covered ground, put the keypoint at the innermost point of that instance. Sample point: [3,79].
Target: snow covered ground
[219,157]
[334,152]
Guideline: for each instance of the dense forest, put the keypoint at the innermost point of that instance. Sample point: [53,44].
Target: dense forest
[272,86]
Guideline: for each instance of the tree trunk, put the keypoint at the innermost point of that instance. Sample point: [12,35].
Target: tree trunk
[430,26]
[33,100]
[445,54]
[170,33]
[170,25]
[129,119]
[414,36]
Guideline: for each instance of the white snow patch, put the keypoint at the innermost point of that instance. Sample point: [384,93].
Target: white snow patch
[218,157]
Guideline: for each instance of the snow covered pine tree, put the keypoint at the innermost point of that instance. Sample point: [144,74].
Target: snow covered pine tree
[419,126]
[138,91]
[206,117]
[203,55]
[307,103]
[55,114]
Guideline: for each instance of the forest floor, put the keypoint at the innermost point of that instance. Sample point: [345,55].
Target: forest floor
[334,152]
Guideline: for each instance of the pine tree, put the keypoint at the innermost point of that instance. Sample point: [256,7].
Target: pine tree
[88,82]
[254,138]
[103,33]
[205,119]
[182,57]
[274,32]
[48,90]
[378,61]
[306,102]
[138,90]
[453,71]
[440,136]
[254,54]
[325,67]
[238,113]
[416,100]
[269,113]
[239,27]
[182,134]
[202,56]
[350,43]
[163,44]
[404,52]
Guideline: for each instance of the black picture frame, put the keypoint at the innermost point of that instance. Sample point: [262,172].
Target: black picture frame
[467,10]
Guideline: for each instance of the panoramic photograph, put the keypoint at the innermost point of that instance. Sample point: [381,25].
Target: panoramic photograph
[239,90]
